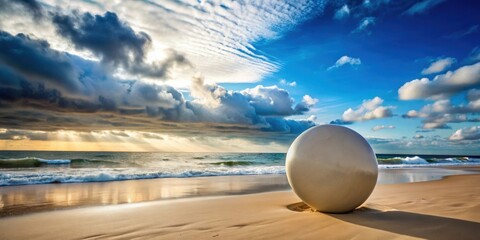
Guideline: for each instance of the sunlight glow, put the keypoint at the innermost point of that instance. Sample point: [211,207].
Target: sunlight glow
[128,141]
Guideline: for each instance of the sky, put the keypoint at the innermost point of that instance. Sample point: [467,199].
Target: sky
[238,76]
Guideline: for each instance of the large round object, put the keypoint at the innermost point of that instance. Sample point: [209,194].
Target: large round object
[332,168]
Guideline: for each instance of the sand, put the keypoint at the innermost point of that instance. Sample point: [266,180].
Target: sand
[443,209]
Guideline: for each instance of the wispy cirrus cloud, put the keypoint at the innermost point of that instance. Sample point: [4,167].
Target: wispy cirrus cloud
[365,25]
[423,6]
[463,33]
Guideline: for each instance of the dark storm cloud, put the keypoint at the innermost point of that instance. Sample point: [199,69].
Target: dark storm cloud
[115,42]
[35,60]
[37,76]
[106,35]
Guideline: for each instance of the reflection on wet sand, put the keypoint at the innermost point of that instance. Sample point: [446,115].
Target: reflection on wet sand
[15,200]
[405,175]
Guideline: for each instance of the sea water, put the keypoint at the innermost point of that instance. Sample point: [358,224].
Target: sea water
[39,167]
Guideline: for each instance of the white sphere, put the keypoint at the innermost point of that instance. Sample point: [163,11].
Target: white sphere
[331,168]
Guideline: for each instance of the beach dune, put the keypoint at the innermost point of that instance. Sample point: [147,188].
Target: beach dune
[443,209]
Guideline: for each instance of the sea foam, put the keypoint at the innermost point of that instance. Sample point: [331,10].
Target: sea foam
[73,167]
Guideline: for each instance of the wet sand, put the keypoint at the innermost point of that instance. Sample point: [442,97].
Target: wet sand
[441,209]
[17,200]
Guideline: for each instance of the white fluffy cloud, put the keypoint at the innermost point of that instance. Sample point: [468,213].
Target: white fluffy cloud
[438,114]
[439,65]
[381,127]
[346,60]
[309,101]
[469,133]
[442,86]
[370,109]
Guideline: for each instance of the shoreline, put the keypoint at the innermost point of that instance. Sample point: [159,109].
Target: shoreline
[27,199]
[444,209]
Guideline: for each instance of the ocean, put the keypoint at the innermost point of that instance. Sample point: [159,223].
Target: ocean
[41,167]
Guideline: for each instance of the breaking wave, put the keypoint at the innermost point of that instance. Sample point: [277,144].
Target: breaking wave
[8,178]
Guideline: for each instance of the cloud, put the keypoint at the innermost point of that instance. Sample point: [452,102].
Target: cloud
[274,101]
[115,43]
[369,110]
[381,127]
[312,118]
[65,91]
[14,134]
[309,101]
[424,130]
[340,122]
[473,96]
[343,12]
[374,4]
[468,133]
[365,24]
[130,140]
[460,34]
[346,60]
[218,38]
[418,136]
[90,67]
[426,144]
[286,83]
[34,59]
[442,86]
[442,112]
[30,5]
[439,65]
[423,6]
[474,55]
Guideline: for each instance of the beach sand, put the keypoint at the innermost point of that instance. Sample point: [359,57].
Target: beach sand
[443,209]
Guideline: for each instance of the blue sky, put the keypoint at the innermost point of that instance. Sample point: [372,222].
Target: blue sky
[239,75]
[393,51]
